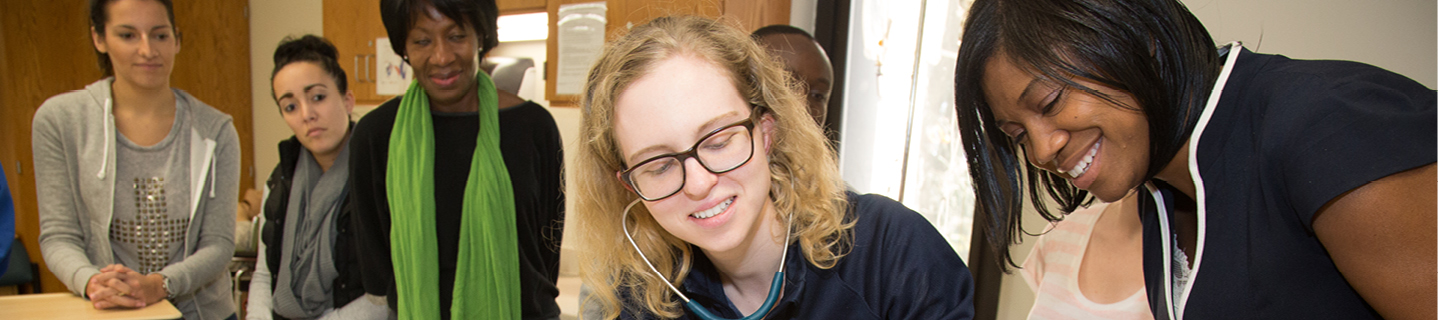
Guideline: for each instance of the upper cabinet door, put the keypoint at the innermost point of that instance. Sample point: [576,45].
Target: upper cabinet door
[749,15]
[520,6]
[354,27]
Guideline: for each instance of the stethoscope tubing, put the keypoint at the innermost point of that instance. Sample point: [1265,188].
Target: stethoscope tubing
[775,288]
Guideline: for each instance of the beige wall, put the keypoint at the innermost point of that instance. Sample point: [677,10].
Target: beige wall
[271,21]
[1015,297]
[1397,35]
[801,14]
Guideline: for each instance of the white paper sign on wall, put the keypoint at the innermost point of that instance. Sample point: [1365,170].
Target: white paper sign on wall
[392,76]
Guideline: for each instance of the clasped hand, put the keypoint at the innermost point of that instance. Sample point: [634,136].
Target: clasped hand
[119,286]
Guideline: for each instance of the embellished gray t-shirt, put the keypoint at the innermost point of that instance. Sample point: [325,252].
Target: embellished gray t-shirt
[152,196]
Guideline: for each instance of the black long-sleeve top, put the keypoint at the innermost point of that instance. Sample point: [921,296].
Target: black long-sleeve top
[533,154]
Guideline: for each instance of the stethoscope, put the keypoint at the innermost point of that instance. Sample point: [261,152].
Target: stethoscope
[774,287]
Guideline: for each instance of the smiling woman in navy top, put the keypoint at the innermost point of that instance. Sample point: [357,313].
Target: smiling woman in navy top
[1270,187]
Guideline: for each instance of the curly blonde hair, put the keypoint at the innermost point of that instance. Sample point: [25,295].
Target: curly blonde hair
[804,176]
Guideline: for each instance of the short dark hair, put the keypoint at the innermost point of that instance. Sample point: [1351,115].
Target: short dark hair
[310,48]
[1155,50]
[399,17]
[780,29]
[100,15]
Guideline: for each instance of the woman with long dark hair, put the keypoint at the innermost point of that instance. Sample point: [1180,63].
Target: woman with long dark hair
[1272,187]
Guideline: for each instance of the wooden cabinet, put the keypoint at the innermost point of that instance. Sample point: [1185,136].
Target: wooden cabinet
[520,6]
[213,65]
[353,26]
[749,15]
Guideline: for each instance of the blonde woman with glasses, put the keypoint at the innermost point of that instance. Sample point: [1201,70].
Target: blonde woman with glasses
[703,181]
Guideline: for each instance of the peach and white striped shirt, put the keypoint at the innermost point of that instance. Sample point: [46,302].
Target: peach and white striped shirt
[1051,270]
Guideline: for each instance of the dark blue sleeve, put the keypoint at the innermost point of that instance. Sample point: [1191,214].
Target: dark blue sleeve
[7,222]
[923,278]
[1334,130]
[624,314]
[631,309]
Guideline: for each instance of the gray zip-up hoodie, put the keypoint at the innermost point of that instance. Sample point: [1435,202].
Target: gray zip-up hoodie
[73,137]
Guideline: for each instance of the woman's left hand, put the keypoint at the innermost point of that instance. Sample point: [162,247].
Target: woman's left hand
[144,289]
[106,291]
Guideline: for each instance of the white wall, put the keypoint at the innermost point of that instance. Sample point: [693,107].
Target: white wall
[1398,35]
[801,14]
[270,22]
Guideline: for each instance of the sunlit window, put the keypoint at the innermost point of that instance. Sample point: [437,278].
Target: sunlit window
[900,137]
[523,27]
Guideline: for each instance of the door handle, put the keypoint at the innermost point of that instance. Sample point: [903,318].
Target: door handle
[367,69]
[356,69]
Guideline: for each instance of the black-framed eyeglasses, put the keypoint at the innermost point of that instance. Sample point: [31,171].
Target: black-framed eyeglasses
[720,151]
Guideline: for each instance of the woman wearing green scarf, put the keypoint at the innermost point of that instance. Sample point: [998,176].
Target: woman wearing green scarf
[457,201]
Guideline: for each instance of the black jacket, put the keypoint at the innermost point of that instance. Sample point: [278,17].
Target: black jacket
[348,286]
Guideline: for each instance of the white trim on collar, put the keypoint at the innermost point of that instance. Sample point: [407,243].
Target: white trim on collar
[1176,308]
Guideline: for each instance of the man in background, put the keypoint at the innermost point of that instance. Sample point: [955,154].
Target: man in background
[805,60]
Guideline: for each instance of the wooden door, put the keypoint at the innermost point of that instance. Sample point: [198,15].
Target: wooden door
[520,6]
[353,26]
[214,66]
[755,14]
[748,15]
[45,50]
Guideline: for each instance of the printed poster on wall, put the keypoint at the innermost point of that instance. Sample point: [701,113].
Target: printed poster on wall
[580,39]
[393,75]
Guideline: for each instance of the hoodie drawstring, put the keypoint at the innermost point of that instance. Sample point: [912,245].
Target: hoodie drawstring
[212,177]
[104,159]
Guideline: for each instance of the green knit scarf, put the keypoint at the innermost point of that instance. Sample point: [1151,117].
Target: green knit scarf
[486,277]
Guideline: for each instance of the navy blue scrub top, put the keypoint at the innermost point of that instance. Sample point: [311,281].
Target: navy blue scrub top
[1287,137]
[899,267]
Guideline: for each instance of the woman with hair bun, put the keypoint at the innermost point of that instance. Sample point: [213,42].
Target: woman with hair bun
[307,266]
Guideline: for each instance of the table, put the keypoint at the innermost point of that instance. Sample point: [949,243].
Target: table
[63,306]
